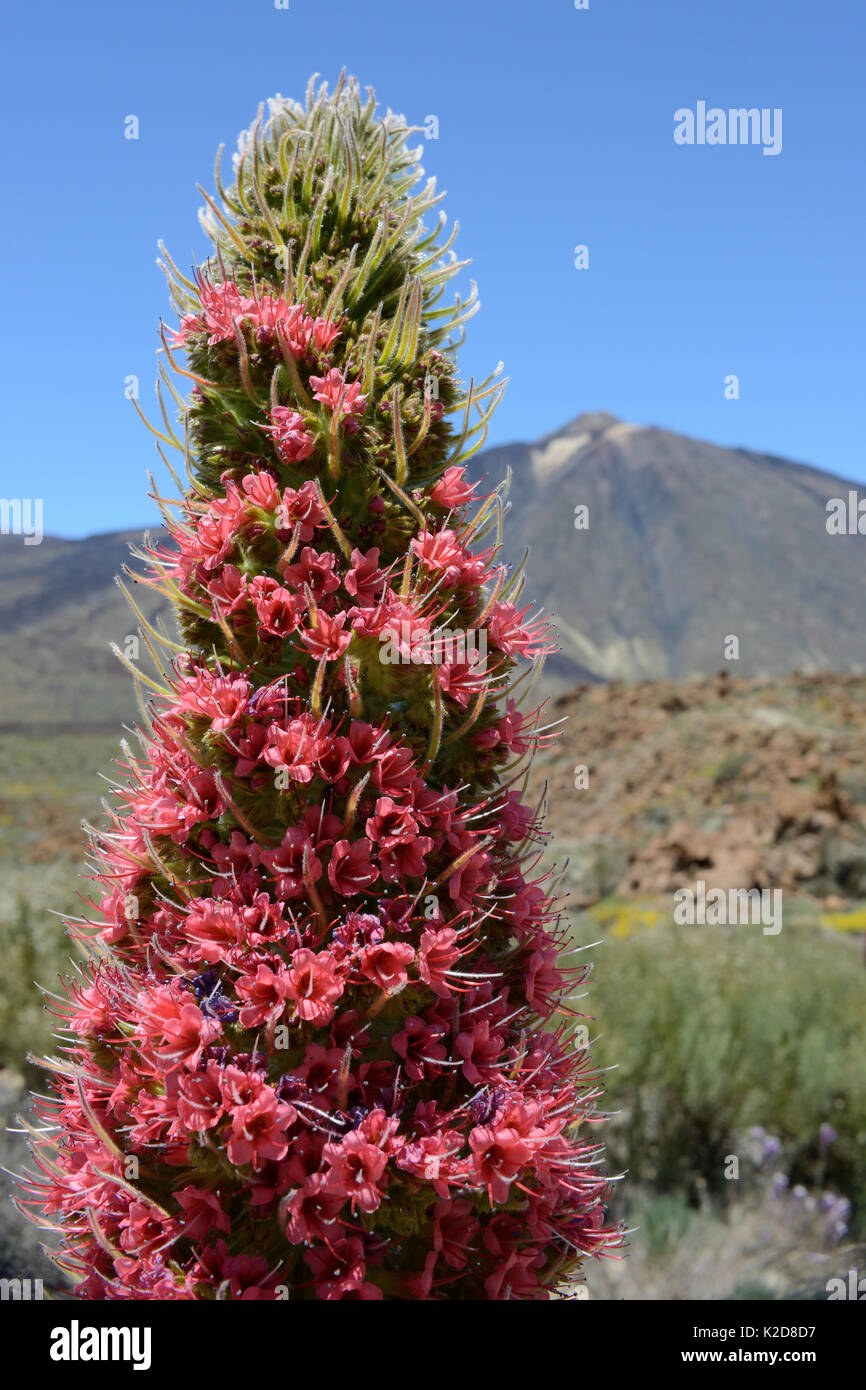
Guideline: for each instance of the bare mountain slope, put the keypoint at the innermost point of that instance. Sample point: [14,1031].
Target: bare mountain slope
[59,611]
[687,543]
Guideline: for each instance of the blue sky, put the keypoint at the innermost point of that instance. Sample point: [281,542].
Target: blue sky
[555,129]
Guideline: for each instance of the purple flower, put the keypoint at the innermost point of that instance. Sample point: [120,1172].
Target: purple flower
[826,1136]
[770,1149]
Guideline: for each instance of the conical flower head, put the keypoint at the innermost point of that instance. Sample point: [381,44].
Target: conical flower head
[320,1045]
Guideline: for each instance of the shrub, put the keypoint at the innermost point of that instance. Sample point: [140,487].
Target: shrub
[728,1028]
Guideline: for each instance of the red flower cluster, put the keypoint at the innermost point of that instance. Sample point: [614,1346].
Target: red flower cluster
[322,1044]
[224,308]
[256,1030]
[307,597]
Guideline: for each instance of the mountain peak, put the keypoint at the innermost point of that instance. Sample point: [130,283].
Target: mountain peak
[555,451]
[590,423]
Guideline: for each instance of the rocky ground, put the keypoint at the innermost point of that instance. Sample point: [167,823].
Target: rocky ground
[742,783]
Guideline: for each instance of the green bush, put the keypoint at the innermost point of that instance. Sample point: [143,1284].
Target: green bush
[33,946]
[724,1028]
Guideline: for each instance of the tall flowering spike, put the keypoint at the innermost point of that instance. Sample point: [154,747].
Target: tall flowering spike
[320,1046]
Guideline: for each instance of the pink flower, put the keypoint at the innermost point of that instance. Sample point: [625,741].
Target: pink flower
[481,1050]
[363,580]
[214,927]
[514,1276]
[511,729]
[228,589]
[300,332]
[279,611]
[418,1043]
[461,680]
[265,993]
[432,1158]
[144,1230]
[245,1277]
[451,562]
[394,773]
[454,1230]
[391,824]
[314,571]
[93,1008]
[313,982]
[261,490]
[386,965]
[180,1031]
[401,849]
[200,1104]
[342,397]
[338,1271]
[405,860]
[202,1212]
[438,953]
[323,334]
[220,305]
[176,797]
[222,699]
[312,1211]
[296,747]
[507,632]
[452,491]
[259,1129]
[351,869]
[355,1168]
[294,861]
[498,1155]
[326,641]
[293,440]
[320,1069]
[301,510]
[544,981]
[334,764]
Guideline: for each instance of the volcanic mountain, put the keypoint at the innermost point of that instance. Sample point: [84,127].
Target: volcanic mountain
[60,611]
[652,550]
